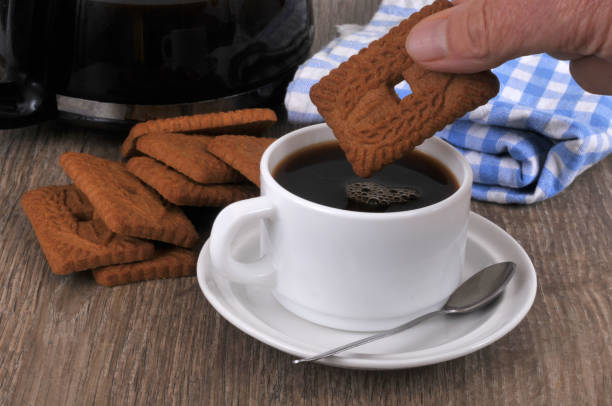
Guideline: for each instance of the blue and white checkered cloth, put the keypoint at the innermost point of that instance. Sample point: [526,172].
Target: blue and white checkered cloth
[526,145]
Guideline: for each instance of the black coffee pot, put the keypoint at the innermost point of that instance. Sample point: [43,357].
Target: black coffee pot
[119,61]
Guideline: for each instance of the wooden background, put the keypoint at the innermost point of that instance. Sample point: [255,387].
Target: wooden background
[67,341]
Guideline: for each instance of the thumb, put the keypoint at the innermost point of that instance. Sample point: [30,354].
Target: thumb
[475,35]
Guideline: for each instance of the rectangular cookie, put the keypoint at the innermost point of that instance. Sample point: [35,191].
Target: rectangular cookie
[245,121]
[169,262]
[126,205]
[180,190]
[374,127]
[241,152]
[71,237]
[188,154]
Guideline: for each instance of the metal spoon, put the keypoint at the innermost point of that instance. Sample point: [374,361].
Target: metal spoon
[474,293]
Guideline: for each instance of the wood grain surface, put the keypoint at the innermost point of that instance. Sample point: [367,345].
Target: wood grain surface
[68,341]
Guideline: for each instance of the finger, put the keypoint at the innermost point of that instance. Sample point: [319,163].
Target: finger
[593,74]
[480,34]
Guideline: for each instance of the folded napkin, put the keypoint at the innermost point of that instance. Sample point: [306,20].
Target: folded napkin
[526,145]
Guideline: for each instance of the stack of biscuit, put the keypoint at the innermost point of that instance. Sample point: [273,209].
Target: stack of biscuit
[123,220]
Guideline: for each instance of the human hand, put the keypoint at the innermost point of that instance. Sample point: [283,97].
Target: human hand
[476,35]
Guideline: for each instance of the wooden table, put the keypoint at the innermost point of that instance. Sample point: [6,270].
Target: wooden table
[67,341]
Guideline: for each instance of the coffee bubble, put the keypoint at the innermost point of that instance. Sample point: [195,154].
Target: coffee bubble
[379,196]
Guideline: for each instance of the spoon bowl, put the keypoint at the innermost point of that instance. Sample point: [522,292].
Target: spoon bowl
[480,289]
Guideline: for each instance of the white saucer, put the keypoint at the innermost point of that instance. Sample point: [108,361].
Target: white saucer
[254,310]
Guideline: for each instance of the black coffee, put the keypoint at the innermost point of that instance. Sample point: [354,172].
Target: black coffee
[322,174]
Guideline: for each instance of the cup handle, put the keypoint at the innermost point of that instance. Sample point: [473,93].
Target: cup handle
[230,221]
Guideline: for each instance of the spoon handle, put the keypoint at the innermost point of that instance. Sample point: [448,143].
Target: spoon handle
[377,336]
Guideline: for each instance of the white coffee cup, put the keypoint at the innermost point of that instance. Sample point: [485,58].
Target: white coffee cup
[349,270]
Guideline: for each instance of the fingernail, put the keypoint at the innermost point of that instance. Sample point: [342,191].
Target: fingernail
[427,40]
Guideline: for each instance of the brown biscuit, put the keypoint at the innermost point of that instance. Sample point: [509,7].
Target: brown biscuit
[241,152]
[189,155]
[169,262]
[126,205]
[180,190]
[246,121]
[71,237]
[372,125]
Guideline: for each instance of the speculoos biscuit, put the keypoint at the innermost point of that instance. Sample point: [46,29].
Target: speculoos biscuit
[188,154]
[71,236]
[241,152]
[372,125]
[169,262]
[182,191]
[245,121]
[127,206]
